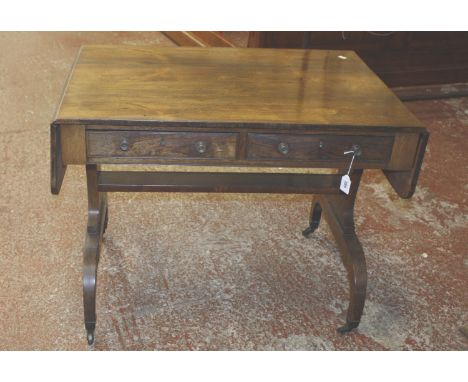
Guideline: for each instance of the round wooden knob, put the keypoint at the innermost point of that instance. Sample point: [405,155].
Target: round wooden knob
[124,145]
[357,150]
[201,146]
[283,148]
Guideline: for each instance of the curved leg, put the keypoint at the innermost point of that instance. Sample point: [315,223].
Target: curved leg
[97,213]
[339,213]
[314,219]
[357,273]
[89,287]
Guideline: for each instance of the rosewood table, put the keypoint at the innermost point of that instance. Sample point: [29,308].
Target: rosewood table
[277,113]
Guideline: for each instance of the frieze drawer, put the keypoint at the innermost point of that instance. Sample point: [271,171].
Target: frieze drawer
[156,144]
[303,148]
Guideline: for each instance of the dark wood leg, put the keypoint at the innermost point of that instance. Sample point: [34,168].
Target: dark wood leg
[314,219]
[339,213]
[97,220]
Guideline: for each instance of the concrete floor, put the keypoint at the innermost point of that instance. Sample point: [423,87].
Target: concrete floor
[201,271]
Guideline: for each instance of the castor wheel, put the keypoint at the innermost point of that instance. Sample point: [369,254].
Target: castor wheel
[350,325]
[90,336]
[308,231]
[315,215]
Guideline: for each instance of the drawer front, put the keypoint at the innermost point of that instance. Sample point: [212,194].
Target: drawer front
[164,145]
[328,148]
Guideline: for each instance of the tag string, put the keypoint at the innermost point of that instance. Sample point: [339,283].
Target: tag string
[351,164]
[352,160]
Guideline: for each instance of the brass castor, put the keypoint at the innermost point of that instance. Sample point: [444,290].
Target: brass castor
[350,325]
[90,336]
[308,231]
[314,220]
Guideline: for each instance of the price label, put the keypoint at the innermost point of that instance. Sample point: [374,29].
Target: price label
[345,184]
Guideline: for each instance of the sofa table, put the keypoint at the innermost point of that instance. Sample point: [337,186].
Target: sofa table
[272,112]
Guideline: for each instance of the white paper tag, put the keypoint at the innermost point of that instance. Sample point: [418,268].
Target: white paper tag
[345,184]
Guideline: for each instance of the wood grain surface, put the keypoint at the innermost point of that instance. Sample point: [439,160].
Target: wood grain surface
[143,144]
[229,85]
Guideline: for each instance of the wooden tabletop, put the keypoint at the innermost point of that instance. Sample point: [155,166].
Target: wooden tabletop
[228,85]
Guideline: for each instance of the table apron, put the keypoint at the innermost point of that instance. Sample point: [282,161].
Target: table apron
[143,181]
